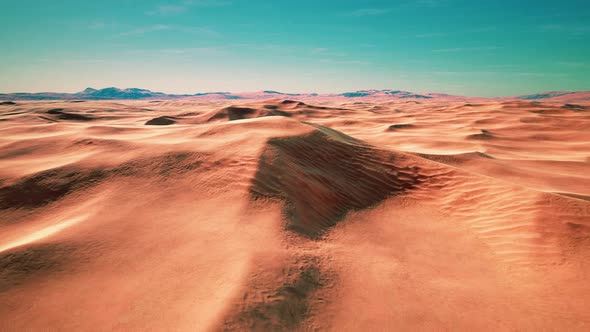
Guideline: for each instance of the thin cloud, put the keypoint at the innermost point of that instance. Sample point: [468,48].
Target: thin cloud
[319,50]
[326,52]
[459,73]
[466,49]
[540,74]
[271,48]
[213,50]
[204,31]
[452,33]
[573,64]
[425,3]
[368,12]
[177,9]
[345,62]
[192,51]
[167,10]
[504,73]
[285,49]
[208,3]
[574,29]
[97,25]
[430,35]
[144,30]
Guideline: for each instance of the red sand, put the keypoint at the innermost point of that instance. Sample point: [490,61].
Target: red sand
[341,215]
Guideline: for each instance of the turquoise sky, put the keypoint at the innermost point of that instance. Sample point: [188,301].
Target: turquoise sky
[483,48]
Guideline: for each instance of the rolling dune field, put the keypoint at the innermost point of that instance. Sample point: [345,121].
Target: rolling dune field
[327,214]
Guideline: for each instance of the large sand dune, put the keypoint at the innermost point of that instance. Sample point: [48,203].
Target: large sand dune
[321,214]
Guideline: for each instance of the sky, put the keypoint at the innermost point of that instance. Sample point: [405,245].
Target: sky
[475,48]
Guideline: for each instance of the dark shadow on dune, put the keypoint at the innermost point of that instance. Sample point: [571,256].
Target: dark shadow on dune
[550,111]
[161,121]
[290,102]
[7,103]
[22,264]
[324,175]
[52,185]
[238,113]
[283,308]
[455,159]
[575,107]
[13,113]
[46,118]
[397,126]
[232,113]
[576,196]
[484,135]
[286,108]
[59,113]
[46,187]
[164,166]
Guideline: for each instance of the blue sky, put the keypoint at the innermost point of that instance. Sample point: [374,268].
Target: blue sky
[482,48]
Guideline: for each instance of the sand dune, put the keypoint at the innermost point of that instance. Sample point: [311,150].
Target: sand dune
[335,214]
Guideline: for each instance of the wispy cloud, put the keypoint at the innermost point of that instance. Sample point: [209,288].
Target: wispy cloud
[526,74]
[280,49]
[565,28]
[429,3]
[430,35]
[425,3]
[89,60]
[167,10]
[144,30]
[326,52]
[489,28]
[292,50]
[368,12]
[345,62]
[502,73]
[176,9]
[212,50]
[98,24]
[467,49]
[459,73]
[319,50]
[475,30]
[208,3]
[204,31]
[192,51]
[573,64]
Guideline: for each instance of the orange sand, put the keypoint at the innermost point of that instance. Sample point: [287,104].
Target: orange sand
[337,215]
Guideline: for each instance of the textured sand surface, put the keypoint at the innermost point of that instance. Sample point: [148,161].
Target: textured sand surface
[265,215]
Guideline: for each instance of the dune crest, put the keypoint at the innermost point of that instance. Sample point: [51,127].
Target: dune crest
[323,175]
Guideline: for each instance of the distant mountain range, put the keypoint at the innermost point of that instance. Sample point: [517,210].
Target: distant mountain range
[113,93]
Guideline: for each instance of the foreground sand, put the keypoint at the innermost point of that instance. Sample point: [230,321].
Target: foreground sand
[286,215]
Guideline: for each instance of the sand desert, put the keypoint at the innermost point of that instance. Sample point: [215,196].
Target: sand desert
[301,214]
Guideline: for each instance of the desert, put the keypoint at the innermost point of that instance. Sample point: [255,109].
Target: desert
[295,212]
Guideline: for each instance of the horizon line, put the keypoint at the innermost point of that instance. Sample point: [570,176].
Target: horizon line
[271,91]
